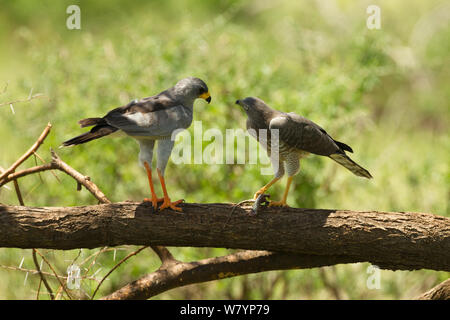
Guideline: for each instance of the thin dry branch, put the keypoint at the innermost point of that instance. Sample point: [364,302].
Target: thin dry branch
[18,192]
[80,178]
[58,164]
[30,151]
[30,97]
[48,274]
[54,272]
[41,275]
[115,267]
[28,171]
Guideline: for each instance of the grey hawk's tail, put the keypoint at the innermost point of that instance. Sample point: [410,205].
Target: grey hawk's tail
[351,165]
[100,129]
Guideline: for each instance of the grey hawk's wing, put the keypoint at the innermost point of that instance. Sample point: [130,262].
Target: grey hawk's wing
[155,116]
[303,134]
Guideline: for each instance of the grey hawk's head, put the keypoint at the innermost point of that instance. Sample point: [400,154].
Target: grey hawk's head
[192,88]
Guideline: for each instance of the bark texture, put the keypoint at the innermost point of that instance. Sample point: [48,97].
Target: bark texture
[440,292]
[391,240]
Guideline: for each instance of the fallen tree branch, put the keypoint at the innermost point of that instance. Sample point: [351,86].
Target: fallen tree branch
[439,292]
[184,273]
[391,240]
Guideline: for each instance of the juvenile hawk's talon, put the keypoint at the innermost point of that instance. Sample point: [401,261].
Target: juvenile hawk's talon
[278,204]
[258,193]
[264,189]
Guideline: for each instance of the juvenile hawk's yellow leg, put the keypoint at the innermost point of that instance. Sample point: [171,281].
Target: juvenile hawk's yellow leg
[263,189]
[167,203]
[282,203]
[154,200]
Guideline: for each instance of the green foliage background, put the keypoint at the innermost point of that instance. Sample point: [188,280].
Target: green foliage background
[385,92]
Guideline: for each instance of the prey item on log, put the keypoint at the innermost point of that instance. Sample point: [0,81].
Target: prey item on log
[260,201]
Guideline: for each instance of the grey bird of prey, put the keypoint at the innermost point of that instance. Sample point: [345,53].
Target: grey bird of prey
[149,120]
[297,137]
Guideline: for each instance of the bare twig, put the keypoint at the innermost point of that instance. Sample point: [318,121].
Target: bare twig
[30,151]
[29,98]
[41,275]
[115,267]
[43,161]
[58,164]
[28,171]
[80,178]
[95,255]
[48,274]
[18,193]
[38,289]
[54,272]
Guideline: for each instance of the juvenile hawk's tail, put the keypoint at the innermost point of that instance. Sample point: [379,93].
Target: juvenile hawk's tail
[351,165]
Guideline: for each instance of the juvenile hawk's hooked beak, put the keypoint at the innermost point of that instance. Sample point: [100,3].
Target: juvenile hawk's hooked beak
[206,96]
[242,104]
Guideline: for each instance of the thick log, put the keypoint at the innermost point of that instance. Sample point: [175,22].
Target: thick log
[175,274]
[391,240]
[440,292]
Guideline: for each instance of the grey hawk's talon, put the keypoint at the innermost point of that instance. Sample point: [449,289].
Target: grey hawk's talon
[172,205]
[154,201]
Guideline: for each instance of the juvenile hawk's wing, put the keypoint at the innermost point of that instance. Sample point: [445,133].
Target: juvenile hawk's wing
[303,134]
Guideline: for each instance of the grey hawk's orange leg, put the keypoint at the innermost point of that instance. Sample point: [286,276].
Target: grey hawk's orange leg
[154,200]
[282,203]
[167,202]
